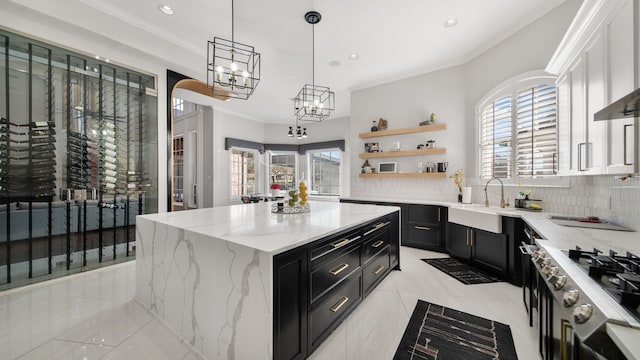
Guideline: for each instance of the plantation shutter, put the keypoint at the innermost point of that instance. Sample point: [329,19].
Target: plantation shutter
[496,139]
[536,131]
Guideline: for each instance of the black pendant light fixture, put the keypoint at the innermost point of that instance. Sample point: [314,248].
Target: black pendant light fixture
[313,102]
[233,68]
[300,133]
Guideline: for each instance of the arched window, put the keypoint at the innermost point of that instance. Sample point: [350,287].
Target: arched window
[518,132]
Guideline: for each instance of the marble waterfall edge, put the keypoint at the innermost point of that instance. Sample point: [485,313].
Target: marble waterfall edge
[216,295]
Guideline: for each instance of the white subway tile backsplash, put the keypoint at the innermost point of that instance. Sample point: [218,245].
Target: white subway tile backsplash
[603,196]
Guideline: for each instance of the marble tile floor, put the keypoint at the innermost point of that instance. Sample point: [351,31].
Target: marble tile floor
[93,316]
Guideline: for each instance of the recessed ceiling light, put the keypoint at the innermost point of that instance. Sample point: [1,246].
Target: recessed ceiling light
[165,9]
[334,63]
[354,56]
[451,22]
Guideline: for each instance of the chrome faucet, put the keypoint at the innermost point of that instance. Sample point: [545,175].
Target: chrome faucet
[486,197]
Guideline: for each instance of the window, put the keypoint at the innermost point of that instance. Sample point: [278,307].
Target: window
[243,172]
[282,169]
[518,134]
[178,170]
[324,166]
[178,106]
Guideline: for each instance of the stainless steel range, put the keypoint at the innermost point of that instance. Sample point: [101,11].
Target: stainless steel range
[584,291]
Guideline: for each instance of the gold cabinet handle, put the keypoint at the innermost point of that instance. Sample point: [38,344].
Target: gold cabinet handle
[471,236]
[378,244]
[340,243]
[339,304]
[438,214]
[378,270]
[339,269]
[376,227]
[422,228]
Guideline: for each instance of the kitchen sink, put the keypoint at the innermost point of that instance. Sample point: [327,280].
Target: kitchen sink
[477,216]
[575,222]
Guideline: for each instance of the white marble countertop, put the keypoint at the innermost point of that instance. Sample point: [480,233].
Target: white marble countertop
[256,227]
[627,340]
[561,237]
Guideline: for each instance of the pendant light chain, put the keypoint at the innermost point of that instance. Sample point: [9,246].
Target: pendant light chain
[313,55]
[232,25]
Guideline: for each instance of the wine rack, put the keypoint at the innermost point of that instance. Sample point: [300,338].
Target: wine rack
[74,166]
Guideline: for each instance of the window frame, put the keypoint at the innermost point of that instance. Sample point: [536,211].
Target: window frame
[296,156]
[256,166]
[309,167]
[512,87]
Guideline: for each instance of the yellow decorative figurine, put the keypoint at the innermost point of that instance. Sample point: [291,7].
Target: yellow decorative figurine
[302,193]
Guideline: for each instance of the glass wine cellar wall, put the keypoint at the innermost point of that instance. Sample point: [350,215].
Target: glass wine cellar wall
[78,155]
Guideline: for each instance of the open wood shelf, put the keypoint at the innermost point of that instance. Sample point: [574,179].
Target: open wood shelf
[416,152]
[417,129]
[435,175]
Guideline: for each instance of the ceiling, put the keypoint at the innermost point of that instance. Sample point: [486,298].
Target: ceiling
[394,39]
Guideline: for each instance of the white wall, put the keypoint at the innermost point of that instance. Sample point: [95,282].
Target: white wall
[233,126]
[405,103]
[452,94]
[522,52]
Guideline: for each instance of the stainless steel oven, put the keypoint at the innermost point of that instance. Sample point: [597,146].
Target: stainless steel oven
[571,314]
[529,274]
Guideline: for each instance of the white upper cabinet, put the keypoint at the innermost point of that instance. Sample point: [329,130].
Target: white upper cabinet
[595,64]
[595,101]
[563,157]
[619,33]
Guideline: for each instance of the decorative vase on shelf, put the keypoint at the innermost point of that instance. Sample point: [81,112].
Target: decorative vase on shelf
[274,192]
[460,197]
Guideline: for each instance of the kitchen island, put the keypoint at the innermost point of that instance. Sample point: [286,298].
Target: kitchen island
[240,282]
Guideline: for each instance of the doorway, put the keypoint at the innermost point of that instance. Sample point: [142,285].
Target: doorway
[189,143]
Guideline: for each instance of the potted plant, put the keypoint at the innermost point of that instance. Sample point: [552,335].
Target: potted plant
[458,179]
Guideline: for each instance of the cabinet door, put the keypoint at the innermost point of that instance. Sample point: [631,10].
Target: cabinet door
[620,38]
[596,130]
[489,250]
[578,119]
[290,304]
[458,241]
[423,214]
[563,158]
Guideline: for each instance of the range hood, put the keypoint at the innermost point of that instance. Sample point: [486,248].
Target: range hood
[628,106]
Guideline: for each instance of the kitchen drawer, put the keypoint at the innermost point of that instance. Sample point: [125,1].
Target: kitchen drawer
[336,244]
[426,237]
[376,228]
[330,273]
[373,245]
[328,314]
[376,270]
[423,214]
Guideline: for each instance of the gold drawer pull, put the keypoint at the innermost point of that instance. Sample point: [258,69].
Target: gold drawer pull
[340,243]
[422,228]
[379,225]
[339,269]
[378,270]
[378,244]
[339,304]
